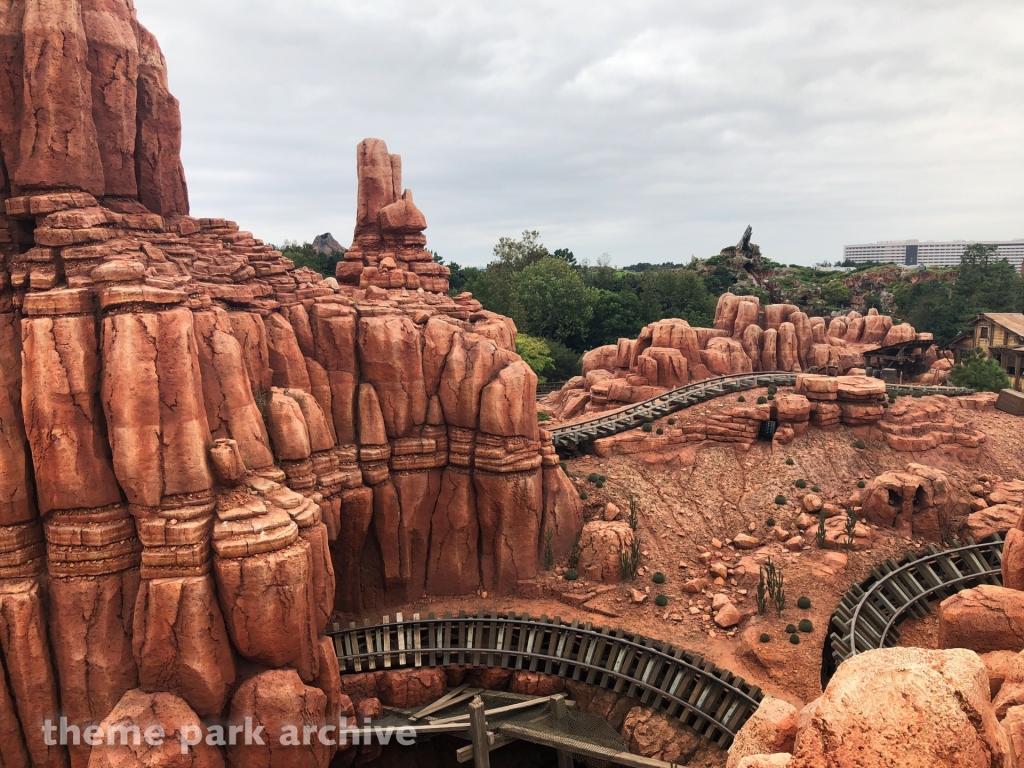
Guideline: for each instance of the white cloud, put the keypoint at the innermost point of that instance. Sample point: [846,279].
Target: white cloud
[649,130]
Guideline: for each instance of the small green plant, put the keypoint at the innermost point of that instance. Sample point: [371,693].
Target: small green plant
[917,393]
[861,484]
[741,399]
[892,397]
[770,522]
[601,478]
[541,416]
[819,535]
[261,398]
[564,466]
[790,629]
[773,390]
[634,519]
[804,603]
[659,431]
[762,594]
[790,462]
[661,601]
[629,560]
[762,400]
[765,637]
[771,397]
[815,489]
[647,427]
[593,477]
[780,499]
[583,496]
[672,421]
[600,483]
[658,578]
[571,575]
[860,445]
[574,553]
[794,639]
[549,555]
[851,527]
[806,625]
[773,588]
[801,483]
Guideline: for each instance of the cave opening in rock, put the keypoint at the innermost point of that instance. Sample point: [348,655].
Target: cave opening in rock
[894,499]
[767,430]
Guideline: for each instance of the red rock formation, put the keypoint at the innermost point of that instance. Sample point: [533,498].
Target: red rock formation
[223,449]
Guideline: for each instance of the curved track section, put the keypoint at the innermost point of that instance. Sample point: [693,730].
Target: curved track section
[633,416]
[868,615]
[712,701]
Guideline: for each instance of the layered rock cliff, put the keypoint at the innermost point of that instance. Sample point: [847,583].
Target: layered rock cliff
[204,452]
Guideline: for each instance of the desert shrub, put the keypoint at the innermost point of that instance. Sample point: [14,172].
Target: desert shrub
[770,522]
[780,499]
[773,390]
[790,629]
[658,578]
[806,625]
[794,639]
[600,483]
[861,484]
[815,489]
[771,397]
[659,431]
[571,575]
[801,483]
[741,399]
[790,462]
[661,601]
[541,416]
[860,445]
[672,421]
[593,477]
[583,496]
[647,428]
[762,400]
[765,637]
[804,602]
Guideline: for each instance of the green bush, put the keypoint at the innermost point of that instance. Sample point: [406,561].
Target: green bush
[806,625]
[861,484]
[762,400]
[771,397]
[801,483]
[804,602]
[659,431]
[672,421]
[541,416]
[601,478]
[593,477]
[583,496]
[770,522]
[661,601]
[892,397]
[647,427]
[741,399]
[571,575]
[815,489]
[780,499]
[773,390]
[658,578]
[564,466]
[790,629]
[790,462]
[921,394]
[794,639]
[600,483]
[765,637]
[860,445]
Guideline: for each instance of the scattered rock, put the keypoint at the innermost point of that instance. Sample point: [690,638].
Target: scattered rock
[771,729]
[985,618]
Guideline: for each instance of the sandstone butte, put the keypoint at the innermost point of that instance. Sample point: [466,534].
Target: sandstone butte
[204,452]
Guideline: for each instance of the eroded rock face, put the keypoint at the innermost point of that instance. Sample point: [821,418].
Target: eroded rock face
[656,735]
[601,546]
[878,698]
[204,452]
[918,502]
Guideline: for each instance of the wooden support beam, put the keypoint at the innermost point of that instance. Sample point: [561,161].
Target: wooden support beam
[478,733]
[559,712]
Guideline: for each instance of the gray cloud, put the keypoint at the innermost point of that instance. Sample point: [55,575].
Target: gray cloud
[648,130]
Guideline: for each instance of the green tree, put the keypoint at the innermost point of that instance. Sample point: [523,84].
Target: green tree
[616,315]
[536,354]
[678,293]
[979,371]
[554,301]
[304,256]
[835,295]
[568,362]
[519,254]
[565,255]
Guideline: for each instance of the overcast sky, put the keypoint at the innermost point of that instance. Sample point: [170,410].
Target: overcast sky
[651,131]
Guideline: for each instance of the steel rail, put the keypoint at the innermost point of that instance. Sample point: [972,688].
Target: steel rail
[636,414]
[713,702]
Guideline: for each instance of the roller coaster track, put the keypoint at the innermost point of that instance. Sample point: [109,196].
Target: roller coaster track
[867,616]
[635,415]
[711,701]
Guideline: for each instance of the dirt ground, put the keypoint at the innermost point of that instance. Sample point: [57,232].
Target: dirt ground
[704,495]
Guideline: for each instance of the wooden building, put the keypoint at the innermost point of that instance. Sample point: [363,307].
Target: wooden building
[1001,335]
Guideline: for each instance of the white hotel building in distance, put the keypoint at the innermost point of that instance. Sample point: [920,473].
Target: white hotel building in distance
[915,253]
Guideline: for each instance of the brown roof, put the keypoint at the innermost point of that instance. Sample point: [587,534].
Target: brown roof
[1011,321]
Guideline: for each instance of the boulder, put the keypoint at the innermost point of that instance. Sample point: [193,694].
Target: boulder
[536,684]
[659,736]
[985,618]
[601,546]
[1013,559]
[406,688]
[170,746]
[877,698]
[771,729]
[997,518]
[919,502]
